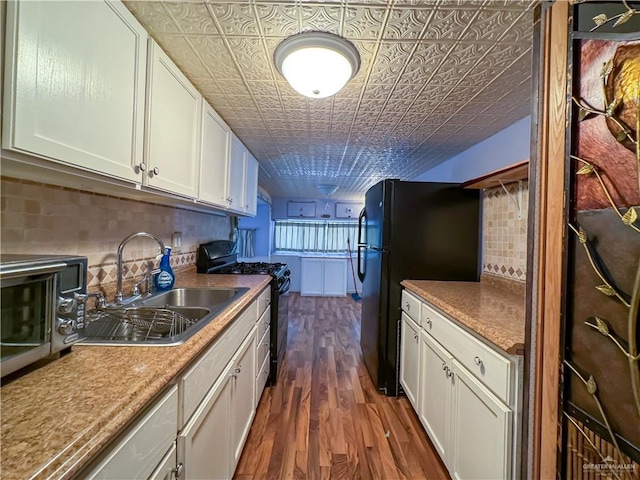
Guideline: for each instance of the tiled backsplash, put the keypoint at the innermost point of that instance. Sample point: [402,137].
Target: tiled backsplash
[39,218]
[504,235]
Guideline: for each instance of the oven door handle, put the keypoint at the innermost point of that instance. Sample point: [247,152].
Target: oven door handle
[285,286]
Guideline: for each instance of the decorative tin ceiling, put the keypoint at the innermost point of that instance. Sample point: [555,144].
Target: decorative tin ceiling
[437,77]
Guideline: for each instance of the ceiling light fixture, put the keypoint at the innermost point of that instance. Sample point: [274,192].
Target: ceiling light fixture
[317,64]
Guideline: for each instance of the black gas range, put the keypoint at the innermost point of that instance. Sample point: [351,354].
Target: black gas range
[219,257]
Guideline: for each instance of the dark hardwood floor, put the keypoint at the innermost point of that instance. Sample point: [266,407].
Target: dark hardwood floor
[324,418]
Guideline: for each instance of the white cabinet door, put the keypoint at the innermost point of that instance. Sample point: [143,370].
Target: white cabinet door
[434,399]
[244,382]
[144,447]
[335,277]
[409,358]
[78,88]
[173,127]
[481,430]
[204,445]
[214,158]
[167,467]
[251,187]
[301,209]
[237,172]
[311,276]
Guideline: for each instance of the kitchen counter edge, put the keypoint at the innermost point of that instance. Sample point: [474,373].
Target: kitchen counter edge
[493,313]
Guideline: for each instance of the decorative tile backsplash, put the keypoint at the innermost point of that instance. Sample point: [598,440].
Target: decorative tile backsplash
[504,231]
[45,219]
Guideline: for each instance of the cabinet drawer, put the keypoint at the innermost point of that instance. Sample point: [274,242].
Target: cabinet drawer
[411,306]
[494,370]
[264,300]
[265,322]
[263,347]
[199,379]
[144,447]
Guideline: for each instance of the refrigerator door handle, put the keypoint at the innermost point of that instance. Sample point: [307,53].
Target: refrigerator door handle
[361,273]
[362,221]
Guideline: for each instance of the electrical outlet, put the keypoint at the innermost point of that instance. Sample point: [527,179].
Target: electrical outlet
[176,241]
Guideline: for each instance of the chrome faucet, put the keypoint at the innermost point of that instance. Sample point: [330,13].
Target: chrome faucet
[163,250]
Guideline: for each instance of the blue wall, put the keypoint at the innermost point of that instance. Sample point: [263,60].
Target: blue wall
[506,147]
[262,223]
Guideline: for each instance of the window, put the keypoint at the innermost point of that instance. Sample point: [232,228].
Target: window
[314,236]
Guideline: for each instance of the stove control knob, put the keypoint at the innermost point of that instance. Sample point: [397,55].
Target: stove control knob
[66,305]
[66,327]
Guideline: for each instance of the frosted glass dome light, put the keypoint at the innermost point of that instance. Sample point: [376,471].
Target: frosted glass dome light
[317,64]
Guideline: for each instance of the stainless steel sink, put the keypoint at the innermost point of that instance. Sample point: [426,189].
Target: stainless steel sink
[193,297]
[169,318]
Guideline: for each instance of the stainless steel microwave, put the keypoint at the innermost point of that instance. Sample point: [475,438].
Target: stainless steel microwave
[42,307]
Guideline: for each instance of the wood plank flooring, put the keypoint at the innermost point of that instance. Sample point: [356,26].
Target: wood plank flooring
[324,418]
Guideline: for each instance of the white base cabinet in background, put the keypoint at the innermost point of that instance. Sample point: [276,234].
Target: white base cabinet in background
[466,393]
[323,276]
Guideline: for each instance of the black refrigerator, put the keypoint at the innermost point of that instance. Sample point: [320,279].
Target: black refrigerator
[409,230]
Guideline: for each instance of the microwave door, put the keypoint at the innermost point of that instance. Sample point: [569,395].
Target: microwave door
[26,320]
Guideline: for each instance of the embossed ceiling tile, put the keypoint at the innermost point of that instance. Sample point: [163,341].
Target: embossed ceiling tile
[235,18]
[351,91]
[192,17]
[501,57]
[262,88]
[295,103]
[521,32]
[448,24]
[406,23]
[180,51]
[491,24]
[325,18]
[390,61]
[363,22]
[269,102]
[207,85]
[407,91]
[250,56]
[242,101]
[278,20]
[214,53]
[153,15]
[467,55]
[427,56]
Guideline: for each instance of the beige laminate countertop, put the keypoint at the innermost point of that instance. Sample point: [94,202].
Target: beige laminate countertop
[488,308]
[56,418]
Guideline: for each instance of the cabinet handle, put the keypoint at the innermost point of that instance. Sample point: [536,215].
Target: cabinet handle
[141,167]
[415,336]
[230,200]
[449,373]
[477,361]
[265,344]
[154,171]
[429,322]
[177,472]
[408,307]
[444,366]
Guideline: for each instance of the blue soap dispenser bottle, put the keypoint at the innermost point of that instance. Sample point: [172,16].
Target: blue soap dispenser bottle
[165,279]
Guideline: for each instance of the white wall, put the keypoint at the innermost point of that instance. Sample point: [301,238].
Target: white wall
[506,147]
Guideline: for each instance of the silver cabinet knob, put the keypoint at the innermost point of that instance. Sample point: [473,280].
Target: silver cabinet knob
[407,306]
[429,322]
[177,472]
[154,171]
[66,327]
[477,361]
[142,166]
[449,373]
[415,336]
[444,366]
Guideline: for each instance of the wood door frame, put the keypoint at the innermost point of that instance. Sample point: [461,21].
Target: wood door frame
[547,228]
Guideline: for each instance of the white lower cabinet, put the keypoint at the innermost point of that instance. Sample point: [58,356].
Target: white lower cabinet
[166,470]
[436,384]
[409,358]
[204,447]
[481,430]
[242,394]
[143,448]
[323,276]
[466,395]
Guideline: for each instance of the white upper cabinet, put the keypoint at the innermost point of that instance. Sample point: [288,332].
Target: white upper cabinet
[251,188]
[237,175]
[75,84]
[214,158]
[173,127]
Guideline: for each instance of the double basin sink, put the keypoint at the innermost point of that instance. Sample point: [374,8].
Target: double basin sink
[164,319]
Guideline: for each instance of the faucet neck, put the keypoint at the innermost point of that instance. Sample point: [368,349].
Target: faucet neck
[120,272]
